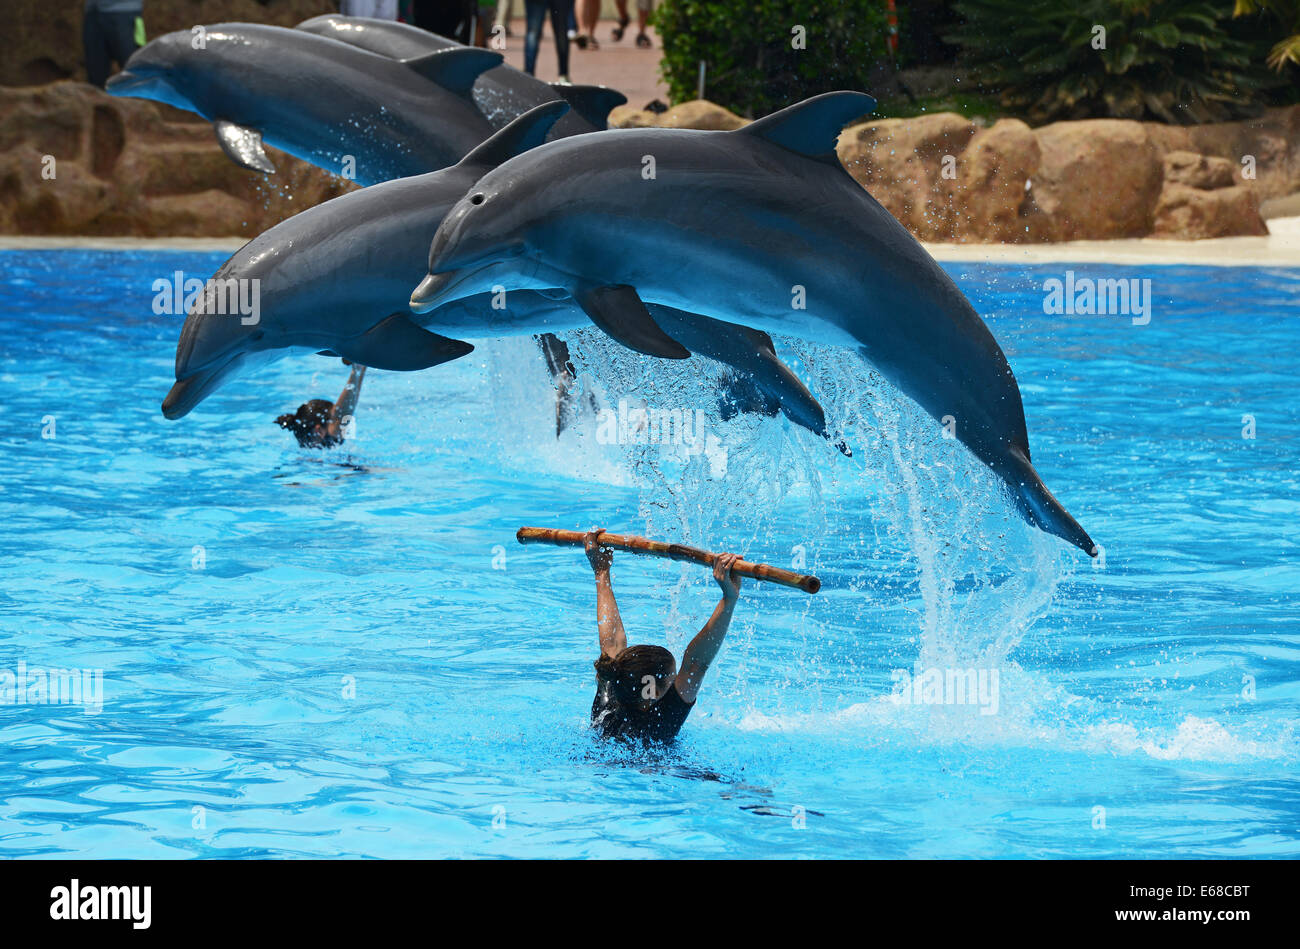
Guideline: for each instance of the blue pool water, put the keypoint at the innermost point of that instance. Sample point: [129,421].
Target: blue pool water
[348,655]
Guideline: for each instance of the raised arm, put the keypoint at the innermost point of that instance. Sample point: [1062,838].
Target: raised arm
[612,638]
[346,406]
[704,647]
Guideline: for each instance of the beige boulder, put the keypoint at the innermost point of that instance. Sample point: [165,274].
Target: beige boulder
[1264,151]
[701,114]
[1199,171]
[996,201]
[630,117]
[1098,178]
[910,167]
[1187,213]
[696,114]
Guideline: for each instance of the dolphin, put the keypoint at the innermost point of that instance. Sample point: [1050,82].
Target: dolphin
[502,94]
[316,98]
[337,277]
[763,227]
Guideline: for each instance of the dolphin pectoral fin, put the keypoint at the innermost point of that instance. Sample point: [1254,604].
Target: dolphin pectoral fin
[527,131]
[812,127]
[1040,506]
[398,344]
[593,103]
[620,313]
[243,146]
[455,69]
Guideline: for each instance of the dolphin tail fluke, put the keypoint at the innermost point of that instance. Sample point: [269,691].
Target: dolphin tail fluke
[593,103]
[1041,507]
[397,344]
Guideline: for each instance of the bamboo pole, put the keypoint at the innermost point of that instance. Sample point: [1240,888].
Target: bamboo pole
[657,548]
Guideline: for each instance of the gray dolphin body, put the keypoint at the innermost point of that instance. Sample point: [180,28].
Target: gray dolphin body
[337,277]
[502,93]
[316,98]
[763,227]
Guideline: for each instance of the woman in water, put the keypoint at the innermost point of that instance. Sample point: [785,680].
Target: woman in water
[640,693]
[321,423]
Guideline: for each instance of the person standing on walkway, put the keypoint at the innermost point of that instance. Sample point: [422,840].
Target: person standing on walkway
[535,11]
[111,30]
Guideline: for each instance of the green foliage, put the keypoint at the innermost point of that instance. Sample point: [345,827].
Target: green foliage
[1179,61]
[1287,50]
[964,104]
[752,65]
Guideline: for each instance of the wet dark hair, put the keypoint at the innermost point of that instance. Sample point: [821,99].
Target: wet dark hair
[628,671]
[303,423]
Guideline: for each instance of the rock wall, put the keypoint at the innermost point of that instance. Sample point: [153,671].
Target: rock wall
[74,160]
[42,38]
[134,168]
[949,179]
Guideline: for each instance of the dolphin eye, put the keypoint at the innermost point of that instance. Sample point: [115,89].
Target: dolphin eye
[478,198]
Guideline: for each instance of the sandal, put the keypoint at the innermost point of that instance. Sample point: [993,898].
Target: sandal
[617,32]
[643,41]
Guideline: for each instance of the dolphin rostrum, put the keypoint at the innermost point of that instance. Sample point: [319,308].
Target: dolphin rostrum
[316,98]
[337,278]
[761,226]
[502,94]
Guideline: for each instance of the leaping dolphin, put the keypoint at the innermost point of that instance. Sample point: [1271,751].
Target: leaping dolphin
[763,227]
[337,278]
[502,94]
[316,98]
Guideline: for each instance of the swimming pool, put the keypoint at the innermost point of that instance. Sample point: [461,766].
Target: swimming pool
[348,654]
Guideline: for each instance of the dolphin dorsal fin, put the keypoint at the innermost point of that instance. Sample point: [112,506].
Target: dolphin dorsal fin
[593,103]
[812,127]
[527,131]
[455,69]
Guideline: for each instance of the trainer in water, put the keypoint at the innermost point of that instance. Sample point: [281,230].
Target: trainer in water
[319,423]
[641,694]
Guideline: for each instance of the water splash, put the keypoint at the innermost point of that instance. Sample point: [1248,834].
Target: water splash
[983,576]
